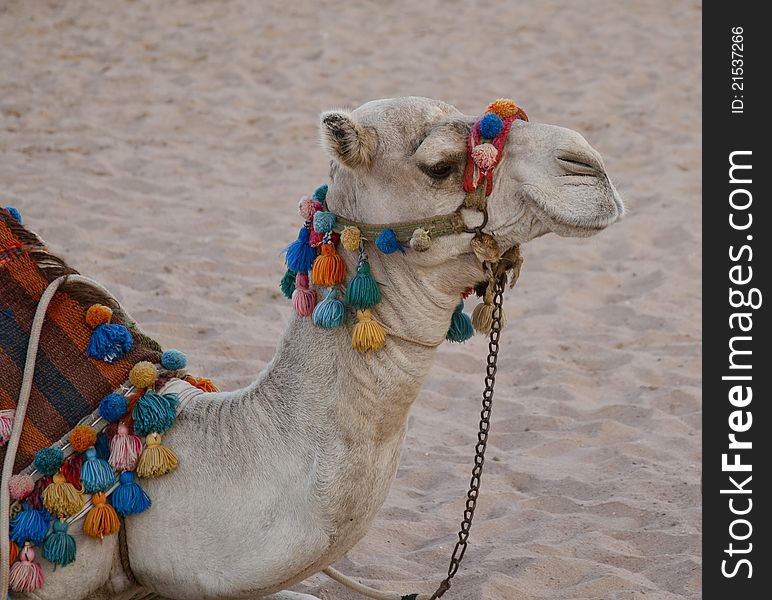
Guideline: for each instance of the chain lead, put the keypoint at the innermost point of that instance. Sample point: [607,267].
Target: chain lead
[482,441]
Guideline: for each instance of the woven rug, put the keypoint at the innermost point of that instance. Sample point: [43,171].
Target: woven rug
[68,385]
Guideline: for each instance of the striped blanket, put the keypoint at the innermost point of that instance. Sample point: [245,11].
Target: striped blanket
[68,385]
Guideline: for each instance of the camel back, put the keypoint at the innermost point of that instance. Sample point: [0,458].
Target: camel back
[68,385]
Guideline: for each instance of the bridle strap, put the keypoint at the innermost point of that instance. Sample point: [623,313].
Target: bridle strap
[438,226]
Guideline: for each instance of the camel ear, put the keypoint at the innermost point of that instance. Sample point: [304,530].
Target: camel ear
[348,142]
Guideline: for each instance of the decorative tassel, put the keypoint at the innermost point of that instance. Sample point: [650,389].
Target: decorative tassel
[482,318]
[287,283]
[351,238]
[300,254]
[156,459]
[303,298]
[71,469]
[96,474]
[82,438]
[21,486]
[124,449]
[101,520]
[154,412]
[109,343]
[102,446]
[113,406]
[30,525]
[143,375]
[388,243]
[129,498]
[363,291]
[6,425]
[174,360]
[368,333]
[48,460]
[202,383]
[420,241]
[329,268]
[59,547]
[61,498]
[13,552]
[330,312]
[14,212]
[460,325]
[25,575]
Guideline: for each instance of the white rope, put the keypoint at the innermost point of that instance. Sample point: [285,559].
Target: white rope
[365,590]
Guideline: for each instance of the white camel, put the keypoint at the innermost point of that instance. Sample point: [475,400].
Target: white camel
[280,479]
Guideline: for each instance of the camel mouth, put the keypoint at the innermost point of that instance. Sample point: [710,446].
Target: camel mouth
[580,206]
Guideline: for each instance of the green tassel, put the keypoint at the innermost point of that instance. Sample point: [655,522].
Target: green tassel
[363,291]
[59,547]
[287,283]
[461,328]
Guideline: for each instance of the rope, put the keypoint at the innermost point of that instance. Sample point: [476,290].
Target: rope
[365,590]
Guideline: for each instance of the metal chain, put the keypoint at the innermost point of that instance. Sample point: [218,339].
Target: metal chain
[482,441]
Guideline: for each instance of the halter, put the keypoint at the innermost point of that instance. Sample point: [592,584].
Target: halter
[314,250]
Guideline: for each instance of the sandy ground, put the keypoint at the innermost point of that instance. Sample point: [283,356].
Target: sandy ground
[162,147]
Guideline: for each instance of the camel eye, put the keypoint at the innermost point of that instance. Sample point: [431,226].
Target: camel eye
[438,171]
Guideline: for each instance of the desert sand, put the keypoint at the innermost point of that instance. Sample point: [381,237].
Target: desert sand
[162,147]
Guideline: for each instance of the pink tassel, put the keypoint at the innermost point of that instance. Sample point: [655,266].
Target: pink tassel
[6,425]
[303,298]
[125,448]
[26,575]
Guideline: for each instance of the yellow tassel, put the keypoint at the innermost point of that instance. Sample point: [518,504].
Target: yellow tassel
[156,459]
[101,520]
[482,318]
[368,333]
[61,498]
[351,238]
[329,269]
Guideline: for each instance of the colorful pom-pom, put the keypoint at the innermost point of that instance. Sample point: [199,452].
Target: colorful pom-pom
[6,425]
[109,343]
[48,460]
[25,575]
[490,125]
[129,498]
[320,193]
[368,333]
[485,156]
[61,498]
[387,242]
[316,239]
[154,413]
[324,221]
[330,312]
[351,238]
[14,212]
[21,486]
[503,107]
[13,552]
[101,520]
[59,547]
[482,318]
[363,291]
[461,328]
[125,448]
[308,206]
[329,268]
[287,283]
[143,374]
[300,254]
[174,360]
[156,459]
[202,383]
[96,473]
[82,438]
[98,314]
[113,406]
[30,525]
[421,240]
[303,298]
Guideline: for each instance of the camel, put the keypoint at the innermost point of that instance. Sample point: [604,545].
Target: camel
[280,479]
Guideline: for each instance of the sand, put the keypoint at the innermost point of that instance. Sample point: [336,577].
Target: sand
[162,147]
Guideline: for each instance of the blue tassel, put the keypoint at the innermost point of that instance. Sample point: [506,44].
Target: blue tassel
[59,547]
[96,474]
[129,498]
[330,312]
[154,413]
[102,446]
[388,243]
[110,343]
[113,406]
[320,193]
[14,212]
[30,525]
[363,291]
[461,328]
[300,254]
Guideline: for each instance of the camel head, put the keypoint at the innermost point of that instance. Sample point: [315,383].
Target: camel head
[403,159]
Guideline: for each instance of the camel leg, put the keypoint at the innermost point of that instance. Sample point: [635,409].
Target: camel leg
[284,595]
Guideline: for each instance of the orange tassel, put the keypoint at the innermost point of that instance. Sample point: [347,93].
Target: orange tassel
[329,268]
[13,552]
[101,520]
[202,383]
